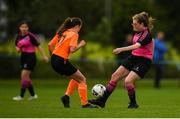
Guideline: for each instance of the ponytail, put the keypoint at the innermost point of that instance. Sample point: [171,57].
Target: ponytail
[144,18]
[69,23]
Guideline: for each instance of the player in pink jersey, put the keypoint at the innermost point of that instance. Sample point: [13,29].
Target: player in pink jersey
[26,44]
[136,65]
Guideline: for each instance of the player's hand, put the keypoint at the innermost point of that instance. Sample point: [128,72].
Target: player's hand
[46,59]
[82,43]
[18,49]
[117,51]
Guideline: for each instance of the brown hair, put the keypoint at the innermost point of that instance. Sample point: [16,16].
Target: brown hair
[144,18]
[69,23]
[21,23]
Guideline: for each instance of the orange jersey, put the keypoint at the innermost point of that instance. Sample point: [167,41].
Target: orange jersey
[62,44]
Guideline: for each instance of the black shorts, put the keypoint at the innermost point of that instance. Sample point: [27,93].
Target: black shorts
[61,66]
[138,64]
[28,61]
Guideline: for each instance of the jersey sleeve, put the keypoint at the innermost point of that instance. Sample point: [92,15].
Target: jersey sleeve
[74,40]
[145,38]
[34,39]
[54,40]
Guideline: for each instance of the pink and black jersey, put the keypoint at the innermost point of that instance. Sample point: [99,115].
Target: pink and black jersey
[145,39]
[27,42]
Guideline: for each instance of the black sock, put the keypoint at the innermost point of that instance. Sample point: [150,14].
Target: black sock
[109,89]
[66,96]
[31,90]
[22,92]
[132,98]
[106,95]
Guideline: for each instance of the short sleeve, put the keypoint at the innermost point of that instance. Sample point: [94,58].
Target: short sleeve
[145,38]
[34,39]
[74,40]
[54,40]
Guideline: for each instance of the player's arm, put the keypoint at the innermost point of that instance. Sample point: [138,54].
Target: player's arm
[42,52]
[16,44]
[35,41]
[74,45]
[131,47]
[18,49]
[75,48]
[52,43]
[142,41]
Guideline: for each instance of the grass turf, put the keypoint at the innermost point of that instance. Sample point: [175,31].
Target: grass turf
[154,103]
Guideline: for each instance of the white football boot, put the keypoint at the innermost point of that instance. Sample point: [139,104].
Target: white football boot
[18,98]
[33,97]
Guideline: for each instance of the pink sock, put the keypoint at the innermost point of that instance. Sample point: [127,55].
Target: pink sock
[111,85]
[130,88]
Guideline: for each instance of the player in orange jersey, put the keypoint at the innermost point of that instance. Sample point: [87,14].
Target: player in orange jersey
[61,46]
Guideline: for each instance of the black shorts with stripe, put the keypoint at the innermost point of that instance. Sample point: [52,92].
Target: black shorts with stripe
[140,65]
[28,61]
[61,66]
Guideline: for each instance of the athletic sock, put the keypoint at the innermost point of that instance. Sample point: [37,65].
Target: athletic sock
[31,90]
[73,84]
[131,93]
[22,92]
[82,90]
[109,89]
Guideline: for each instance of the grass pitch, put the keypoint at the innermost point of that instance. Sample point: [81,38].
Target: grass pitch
[154,103]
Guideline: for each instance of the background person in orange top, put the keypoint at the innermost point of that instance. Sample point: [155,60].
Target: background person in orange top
[61,46]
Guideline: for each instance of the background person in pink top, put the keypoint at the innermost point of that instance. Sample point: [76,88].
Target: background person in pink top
[26,44]
[136,65]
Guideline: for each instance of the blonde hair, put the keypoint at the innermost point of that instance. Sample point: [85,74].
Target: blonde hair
[144,18]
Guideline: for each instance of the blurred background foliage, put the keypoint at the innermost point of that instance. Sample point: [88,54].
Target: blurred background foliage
[105,26]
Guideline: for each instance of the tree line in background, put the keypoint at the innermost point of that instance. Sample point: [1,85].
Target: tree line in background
[104,21]
[105,25]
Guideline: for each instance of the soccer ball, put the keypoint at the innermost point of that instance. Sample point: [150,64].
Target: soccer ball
[98,90]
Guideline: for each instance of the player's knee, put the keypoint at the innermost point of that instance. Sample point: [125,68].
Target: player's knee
[25,83]
[128,82]
[83,79]
[114,76]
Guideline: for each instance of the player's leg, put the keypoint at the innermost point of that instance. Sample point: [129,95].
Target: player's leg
[158,75]
[82,88]
[64,68]
[139,69]
[130,86]
[73,84]
[116,76]
[30,86]
[25,83]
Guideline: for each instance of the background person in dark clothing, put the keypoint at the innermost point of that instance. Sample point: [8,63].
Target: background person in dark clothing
[159,51]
